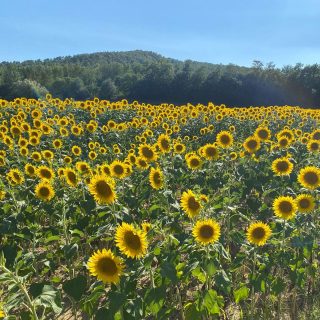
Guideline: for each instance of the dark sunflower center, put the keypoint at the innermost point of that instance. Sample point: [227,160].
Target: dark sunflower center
[193,204]
[118,169]
[132,240]
[263,134]
[282,166]
[211,152]
[103,189]
[206,231]
[45,174]
[156,178]
[258,233]
[304,203]
[179,148]
[16,176]
[225,139]
[316,136]
[165,144]
[283,142]
[148,153]
[72,177]
[314,146]
[44,191]
[107,266]
[285,207]
[194,162]
[252,144]
[311,178]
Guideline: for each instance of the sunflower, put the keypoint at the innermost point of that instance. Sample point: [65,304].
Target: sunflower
[30,170]
[305,203]
[2,314]
[252,144]
[44,172]
[313,146]
[179,148]
[141,163]
[233,155]
[2,194]
[224,139]
[309,177]
[190,203]
[285,207]
[164,143]
[44,191]
[102,188]
[282,166]
[263,133]
[104,265]
[76,150]
[148,152]
[283,142]
[118,169]
[47,154]
[15,177]
[156,178]
[206,231]
[131,242]
[83,167]
[193,161]
[36,156]
[146,226]
[71,177]
[210,152]
[258,233]
[57,143]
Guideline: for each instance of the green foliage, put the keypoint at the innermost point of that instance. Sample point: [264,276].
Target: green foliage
[147,76]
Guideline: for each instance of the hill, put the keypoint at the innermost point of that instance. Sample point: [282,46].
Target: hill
[150,77]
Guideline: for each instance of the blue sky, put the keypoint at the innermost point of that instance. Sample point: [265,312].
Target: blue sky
[225,31]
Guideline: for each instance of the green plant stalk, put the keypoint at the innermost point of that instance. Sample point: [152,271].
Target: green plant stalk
[23,290]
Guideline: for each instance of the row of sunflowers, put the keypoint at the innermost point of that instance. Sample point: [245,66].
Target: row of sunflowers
[118,210]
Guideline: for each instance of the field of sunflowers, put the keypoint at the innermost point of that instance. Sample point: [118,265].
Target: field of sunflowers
[118,210]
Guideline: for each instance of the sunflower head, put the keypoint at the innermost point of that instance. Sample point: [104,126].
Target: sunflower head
[258,233]
[252,144]
[44,191]
[190,203]
[224,139]
[131,241]
[309,177]
[102,189]
[194,162]
[104,265]
[156,178]
[305,202]
[206,231]
[285,207]
[282,166]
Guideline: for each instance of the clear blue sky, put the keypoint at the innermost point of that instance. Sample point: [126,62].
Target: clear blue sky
[225,31]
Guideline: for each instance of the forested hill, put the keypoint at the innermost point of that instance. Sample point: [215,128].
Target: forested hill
[150,77]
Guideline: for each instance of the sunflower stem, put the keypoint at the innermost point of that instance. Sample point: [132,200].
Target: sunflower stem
[252,304]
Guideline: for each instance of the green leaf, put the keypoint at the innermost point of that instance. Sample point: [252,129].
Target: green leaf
[241,294]
[211,269]
[154,299]
[75,287]
[199,274]
[223,282]
[191,312]
[277,286]
[212,302]
[169,271]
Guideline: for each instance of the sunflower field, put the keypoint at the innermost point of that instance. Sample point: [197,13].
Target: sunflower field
[118,210]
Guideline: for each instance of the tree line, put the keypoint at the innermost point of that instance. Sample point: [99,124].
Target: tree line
[149,77]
